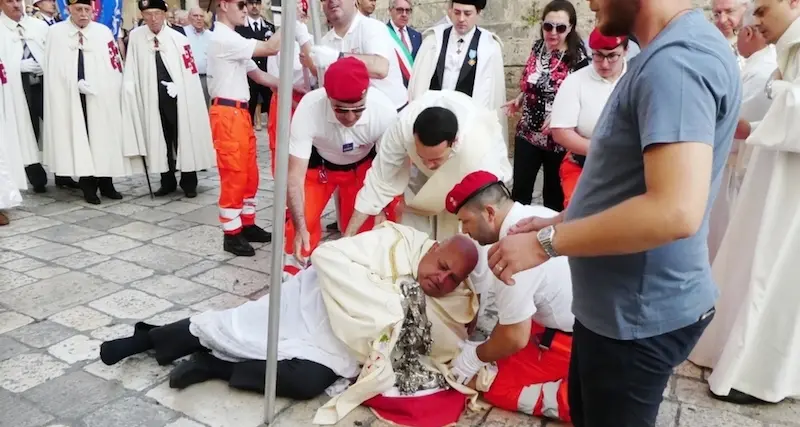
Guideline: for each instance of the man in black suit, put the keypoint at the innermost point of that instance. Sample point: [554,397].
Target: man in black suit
[256,27]
[46,11]
[407,39]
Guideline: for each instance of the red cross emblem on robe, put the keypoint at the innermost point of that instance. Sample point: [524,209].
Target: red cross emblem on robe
[113,54]
[188,59]
[3,76]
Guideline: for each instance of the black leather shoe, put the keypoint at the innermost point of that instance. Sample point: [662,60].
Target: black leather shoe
[111,194]
[256,234]
[237,245]
[737,397]
[163,192]
[40,190]
[67,182]
[190,194]
[91,199]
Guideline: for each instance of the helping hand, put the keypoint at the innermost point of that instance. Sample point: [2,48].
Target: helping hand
[301,244]
[467,364]
[530,224]
[31,66]
[511,108]
[516,253]
[172,89]
[84,88]
[323,56]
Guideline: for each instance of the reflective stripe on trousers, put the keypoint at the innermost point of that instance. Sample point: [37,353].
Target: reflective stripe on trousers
[541,400]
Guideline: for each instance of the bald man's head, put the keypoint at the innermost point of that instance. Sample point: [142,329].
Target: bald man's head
[446,265]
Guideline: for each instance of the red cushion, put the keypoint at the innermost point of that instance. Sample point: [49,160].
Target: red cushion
[440,409]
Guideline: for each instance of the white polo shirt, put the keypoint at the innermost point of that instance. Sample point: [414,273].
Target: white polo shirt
[370,37]
[334,142]
[230,58]
[580,100]
[543,293]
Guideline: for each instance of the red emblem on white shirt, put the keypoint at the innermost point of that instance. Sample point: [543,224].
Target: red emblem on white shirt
[3,76]
[188,59]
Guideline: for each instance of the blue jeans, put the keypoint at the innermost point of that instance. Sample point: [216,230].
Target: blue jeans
[614,383]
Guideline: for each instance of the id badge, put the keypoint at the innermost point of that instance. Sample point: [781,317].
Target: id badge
[323,176]
[346,148]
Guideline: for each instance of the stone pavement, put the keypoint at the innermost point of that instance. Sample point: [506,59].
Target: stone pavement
[73,275]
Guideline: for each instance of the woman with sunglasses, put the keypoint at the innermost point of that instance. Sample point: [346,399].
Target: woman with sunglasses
[556,54]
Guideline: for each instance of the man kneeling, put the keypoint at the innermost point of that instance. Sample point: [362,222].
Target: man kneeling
[532,341]
[231,344]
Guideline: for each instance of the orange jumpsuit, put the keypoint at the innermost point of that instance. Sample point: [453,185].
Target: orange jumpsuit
[235,144]
[534,380]
[570,172]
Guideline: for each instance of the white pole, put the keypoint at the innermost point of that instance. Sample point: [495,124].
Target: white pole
[289,15]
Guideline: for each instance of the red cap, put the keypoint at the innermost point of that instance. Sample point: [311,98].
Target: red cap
[599,41]
[471,185]
[347,80]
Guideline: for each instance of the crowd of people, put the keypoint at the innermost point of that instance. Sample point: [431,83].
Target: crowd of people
[666,231]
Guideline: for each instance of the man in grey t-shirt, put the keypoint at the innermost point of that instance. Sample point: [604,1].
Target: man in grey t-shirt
[635,231]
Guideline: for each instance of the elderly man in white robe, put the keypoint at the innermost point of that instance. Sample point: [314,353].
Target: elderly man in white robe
[728,16]
[462,57]
[760,60]
[755,335]
[165,119]
[439,138]
[12,175]
[327,326]
[82,106]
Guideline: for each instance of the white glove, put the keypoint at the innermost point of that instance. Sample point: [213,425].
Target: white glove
[323,56]
[467,364]
[301,34]
[172,89]
[31,66]
[84,88]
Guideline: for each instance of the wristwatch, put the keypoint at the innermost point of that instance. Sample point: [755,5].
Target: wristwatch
[545,237]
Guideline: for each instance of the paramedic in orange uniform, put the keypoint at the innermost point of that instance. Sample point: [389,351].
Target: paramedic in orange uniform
[532,341]
[229,64]
[332,148]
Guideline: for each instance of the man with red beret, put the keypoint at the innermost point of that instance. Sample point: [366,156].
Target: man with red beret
[332,148]
[532,341]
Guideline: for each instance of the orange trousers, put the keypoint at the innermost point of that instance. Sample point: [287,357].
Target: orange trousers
[272,124]
[235,144]
[534,381]
[569,172]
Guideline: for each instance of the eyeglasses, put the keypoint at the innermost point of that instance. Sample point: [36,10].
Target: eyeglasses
[611,57]
[241,4]
[345,110]
[403,10]
[548,27]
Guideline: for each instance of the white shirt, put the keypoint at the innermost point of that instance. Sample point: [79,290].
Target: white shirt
[543,293]
[580,100]
[369,37]
[334,142]
[199,42]
[401,33]
[274,68]
[455,56]
[261,24]
[230,58]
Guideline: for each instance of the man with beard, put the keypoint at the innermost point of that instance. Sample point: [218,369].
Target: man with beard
[636,229]
[755,339]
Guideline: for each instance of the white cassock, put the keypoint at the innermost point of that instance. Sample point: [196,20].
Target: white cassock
[69,150]
[753,344]
[480,146]
[489,88]
[142,133]
[12,174]
[35,34]
[755,72]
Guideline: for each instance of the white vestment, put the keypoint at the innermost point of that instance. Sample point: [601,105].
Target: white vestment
[12,174]
[142,133]
[753,343]
[489,90]
[69,150]
[755,73]
[35,32]
[479,146]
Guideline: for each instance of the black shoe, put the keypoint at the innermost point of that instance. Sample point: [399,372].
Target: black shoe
[332,227]
[189,372]
[40,189]
[111,194]
[67,182]
[238,245]
[737,397]
[163,192]
[256,234]
[190,194]
[92,199]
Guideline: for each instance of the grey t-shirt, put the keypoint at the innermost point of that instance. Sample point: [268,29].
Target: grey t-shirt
[684,86]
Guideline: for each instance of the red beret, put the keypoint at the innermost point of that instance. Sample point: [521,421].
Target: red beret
[471,185]
[347,80]
[599,41]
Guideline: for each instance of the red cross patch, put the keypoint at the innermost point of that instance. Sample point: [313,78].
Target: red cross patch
[3,76]
[113,54]
[188,59]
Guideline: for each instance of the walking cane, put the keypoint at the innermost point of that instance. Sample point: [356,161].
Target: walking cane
[147,177]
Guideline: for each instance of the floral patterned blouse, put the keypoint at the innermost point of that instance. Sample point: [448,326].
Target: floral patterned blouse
[540,81]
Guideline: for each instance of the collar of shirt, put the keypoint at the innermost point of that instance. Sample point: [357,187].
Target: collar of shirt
[455,37]
[74,30]
[397,29]
[251,21]
[190,29]
[515,214]
[10,23]
[597,77]
[353,25]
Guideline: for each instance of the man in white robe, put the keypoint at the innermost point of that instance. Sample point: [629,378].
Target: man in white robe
[163,109]
[82,106]
[12,175]
[760,61]
[728,16]
[316,335]
[755,335]
[442,137]
[462,57]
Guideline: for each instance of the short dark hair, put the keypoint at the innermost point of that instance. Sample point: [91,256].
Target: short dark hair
[495,194]
[435,125]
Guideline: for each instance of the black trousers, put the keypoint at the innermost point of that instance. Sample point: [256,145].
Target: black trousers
[168,110]
[258,95]
[297,378]
[34,96]
[90,184]
[528,159]
[614,383]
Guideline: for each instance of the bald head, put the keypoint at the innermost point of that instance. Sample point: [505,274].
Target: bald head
[446,265]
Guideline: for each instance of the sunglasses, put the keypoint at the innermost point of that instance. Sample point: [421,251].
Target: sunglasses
[548,27]
[241,4]
[345,110]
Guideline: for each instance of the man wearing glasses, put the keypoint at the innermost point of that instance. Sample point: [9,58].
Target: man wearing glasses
[332,149]
[407,40]
[230,63]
